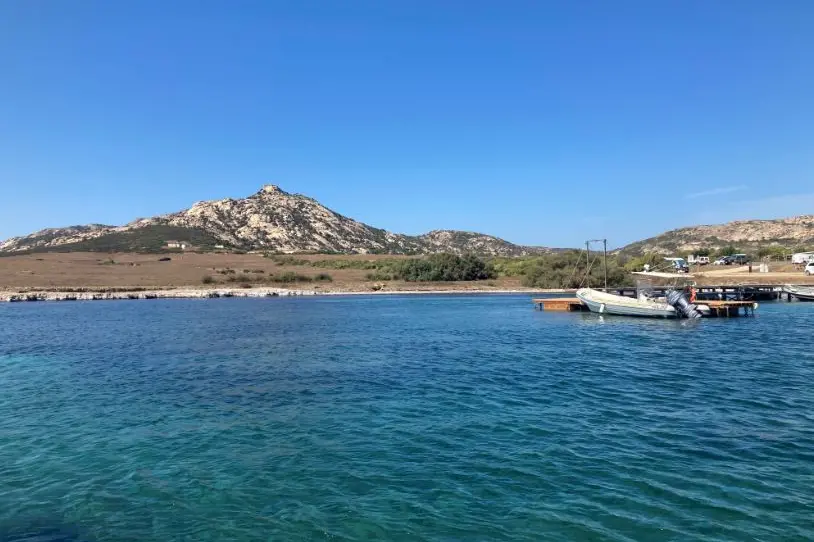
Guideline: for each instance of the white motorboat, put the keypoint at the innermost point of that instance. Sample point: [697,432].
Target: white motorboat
[605,303]
[802,293]
[674,304]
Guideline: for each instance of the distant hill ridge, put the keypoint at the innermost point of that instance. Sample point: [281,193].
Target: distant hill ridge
[747,235]
[272,220]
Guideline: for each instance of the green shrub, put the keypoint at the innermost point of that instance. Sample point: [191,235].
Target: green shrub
[207,279]
[568,270]
[287,260]
[323,277]
[655,261]
[243,277]
[774,252]
[353,263]
[728,250]
[290,277]
[444,268]
[147,239]
[379,275]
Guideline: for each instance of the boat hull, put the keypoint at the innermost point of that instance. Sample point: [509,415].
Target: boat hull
[604,303]
[801,293]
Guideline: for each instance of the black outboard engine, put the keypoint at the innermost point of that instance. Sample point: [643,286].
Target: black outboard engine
[682,306]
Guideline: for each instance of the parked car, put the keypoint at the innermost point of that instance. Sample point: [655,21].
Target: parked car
[740,259]
[702,260]
[725,260]
[679,265]
[809,269]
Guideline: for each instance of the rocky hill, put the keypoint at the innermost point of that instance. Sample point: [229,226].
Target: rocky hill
[271,220]
[747,235]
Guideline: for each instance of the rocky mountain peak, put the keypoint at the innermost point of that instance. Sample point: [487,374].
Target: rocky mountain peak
[271,219]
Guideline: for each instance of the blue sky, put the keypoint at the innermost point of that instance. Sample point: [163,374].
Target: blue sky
[541,122]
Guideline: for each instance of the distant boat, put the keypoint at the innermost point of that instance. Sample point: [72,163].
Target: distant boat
[803,293]
[605,303]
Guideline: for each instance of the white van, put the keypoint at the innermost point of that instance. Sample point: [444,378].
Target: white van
[809,269]
[802,257]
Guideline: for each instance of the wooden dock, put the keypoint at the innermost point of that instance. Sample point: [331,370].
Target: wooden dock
[743,292]
[717,308]
[566,304]
[729,308]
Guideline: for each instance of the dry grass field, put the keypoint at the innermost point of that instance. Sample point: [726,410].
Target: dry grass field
[93,270]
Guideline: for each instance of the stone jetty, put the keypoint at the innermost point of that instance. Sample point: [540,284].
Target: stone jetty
[178,293]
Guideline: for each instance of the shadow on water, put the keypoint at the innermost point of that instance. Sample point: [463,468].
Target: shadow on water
[41,530]
[591,319]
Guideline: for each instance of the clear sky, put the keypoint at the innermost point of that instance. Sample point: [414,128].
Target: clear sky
[541,122]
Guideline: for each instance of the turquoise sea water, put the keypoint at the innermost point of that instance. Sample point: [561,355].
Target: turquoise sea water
[402,418]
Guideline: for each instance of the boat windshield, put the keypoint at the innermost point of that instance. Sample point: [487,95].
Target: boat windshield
[646,282]
[644,288]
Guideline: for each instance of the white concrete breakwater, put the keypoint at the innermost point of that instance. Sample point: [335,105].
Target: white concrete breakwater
[180,293]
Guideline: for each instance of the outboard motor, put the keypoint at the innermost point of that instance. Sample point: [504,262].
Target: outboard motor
[679,301]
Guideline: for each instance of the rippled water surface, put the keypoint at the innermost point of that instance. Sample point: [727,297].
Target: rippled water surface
[402,418]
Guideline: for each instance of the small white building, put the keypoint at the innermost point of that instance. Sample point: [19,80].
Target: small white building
[177,244]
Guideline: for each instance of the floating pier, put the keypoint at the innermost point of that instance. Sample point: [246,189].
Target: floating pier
[743,292]
[729,308]
[566,304]
[717,307]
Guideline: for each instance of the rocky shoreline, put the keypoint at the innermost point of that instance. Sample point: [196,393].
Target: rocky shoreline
[180,293]
[215,293]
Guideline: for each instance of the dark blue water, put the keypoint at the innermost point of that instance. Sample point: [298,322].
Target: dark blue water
[402,418]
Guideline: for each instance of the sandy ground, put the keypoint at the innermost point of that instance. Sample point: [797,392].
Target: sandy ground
[779,273]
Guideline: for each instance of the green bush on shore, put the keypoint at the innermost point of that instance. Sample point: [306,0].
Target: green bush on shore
[290,277]
[379,275]
[436,267]
[774,252]
[559,270]
[444,268]
[655,261]
[565,269]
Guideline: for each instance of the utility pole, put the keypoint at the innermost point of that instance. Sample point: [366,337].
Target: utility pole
[604,259]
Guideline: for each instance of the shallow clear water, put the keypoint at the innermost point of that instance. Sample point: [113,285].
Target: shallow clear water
[402,418]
